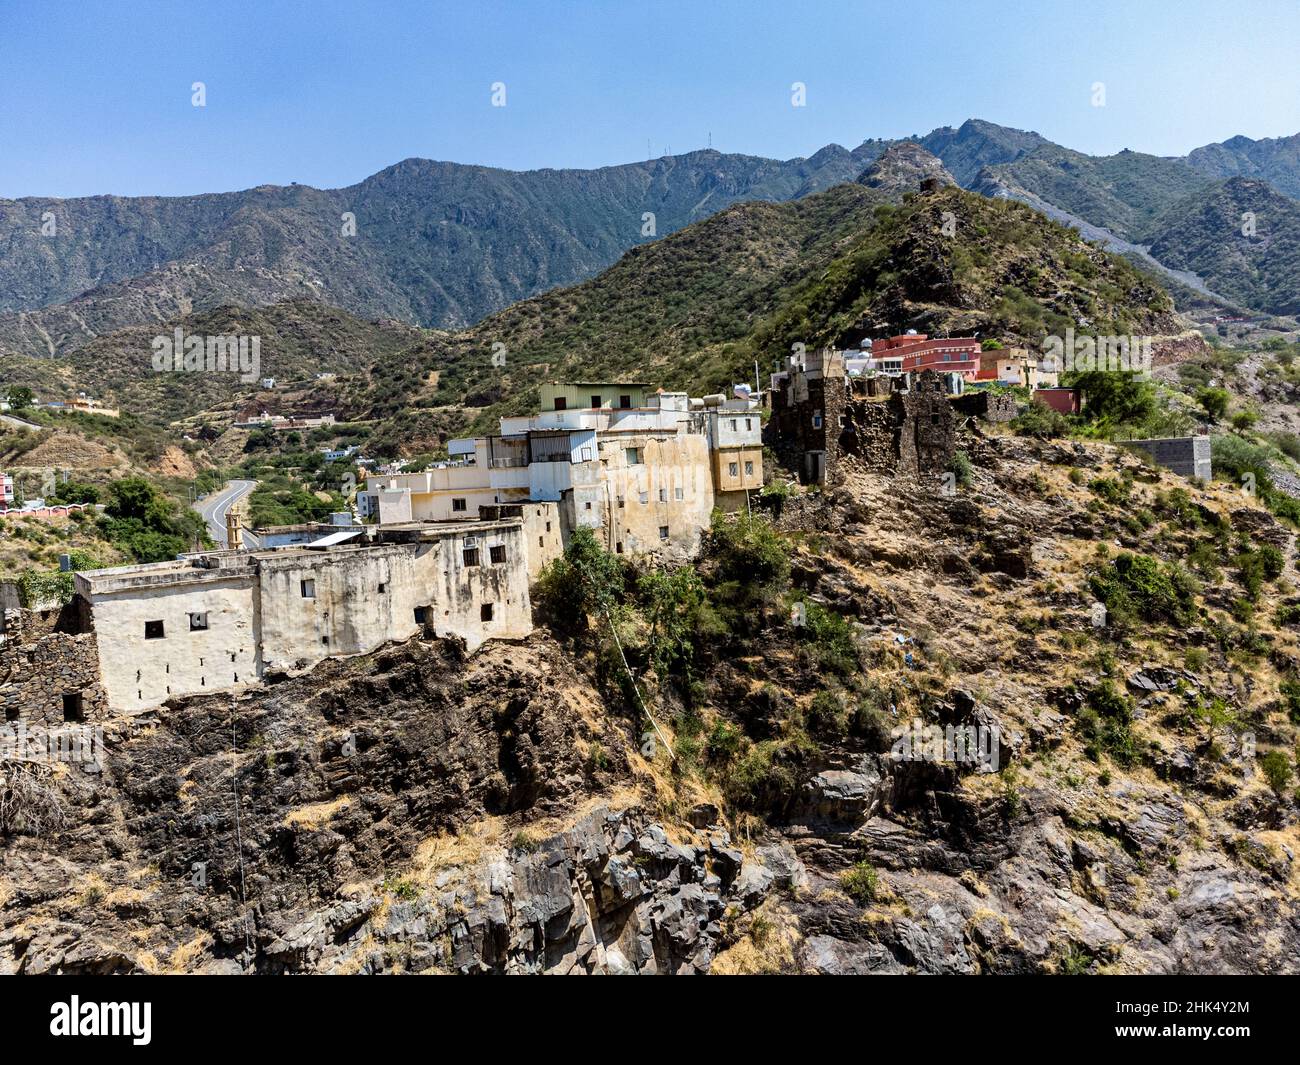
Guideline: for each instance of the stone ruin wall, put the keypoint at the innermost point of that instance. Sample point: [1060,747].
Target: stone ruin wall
[41,661]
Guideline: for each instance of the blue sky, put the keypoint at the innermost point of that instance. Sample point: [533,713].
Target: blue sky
[96,97]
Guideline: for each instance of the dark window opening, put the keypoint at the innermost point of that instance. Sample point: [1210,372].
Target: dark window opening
[663,532]
[73,707]
[420,612]
[153,630]
[618,548]
[595,403]
[625,402]
[382,587]
[308,589]
[560,403]
[458,504]
[485,612]
[471,556]
[497,553]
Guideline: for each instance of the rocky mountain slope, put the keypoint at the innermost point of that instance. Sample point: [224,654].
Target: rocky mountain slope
[1241,237]
[904,168]
[444,244]
[424,242]
[417,811]
[1272,159]
[698,309]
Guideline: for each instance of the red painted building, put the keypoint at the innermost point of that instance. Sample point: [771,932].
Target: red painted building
[1063,400]
[942,354]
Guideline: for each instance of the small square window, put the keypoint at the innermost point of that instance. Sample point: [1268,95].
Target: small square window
[420,612]
[561,403]
[679,493]
[733,469]
[471,556]
[645,498]
[625,402]
[596,403]
[325,640]
[663,495]
[749,469]
[497,553]
[618,548]
[153,630]
[663,532]
[382,587]
[633,456]
[620,503]
[458,504]
[485,612]
[588,505]
[308,588]
[198,622]
[586,454]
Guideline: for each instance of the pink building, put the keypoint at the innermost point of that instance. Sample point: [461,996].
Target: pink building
[920,352]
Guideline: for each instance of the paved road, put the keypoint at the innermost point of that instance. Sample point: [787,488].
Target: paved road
[214,509]
[18,423]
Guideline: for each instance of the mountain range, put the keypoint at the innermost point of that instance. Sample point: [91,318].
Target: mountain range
[444,245]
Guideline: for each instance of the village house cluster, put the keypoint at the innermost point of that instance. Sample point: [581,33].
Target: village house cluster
[450,552]
[642,469]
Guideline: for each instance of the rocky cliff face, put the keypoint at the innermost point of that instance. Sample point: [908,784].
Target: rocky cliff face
[905,167]
[359,819]
[419,810]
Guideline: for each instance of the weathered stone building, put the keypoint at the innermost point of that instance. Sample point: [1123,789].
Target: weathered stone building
[820,415]
[49,669]
[135,636]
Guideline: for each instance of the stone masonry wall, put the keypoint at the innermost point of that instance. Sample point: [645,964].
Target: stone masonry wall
[39,667]
[911,433]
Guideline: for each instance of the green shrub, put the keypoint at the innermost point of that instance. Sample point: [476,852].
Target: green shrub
[960,467]
[586,579]
[1105,724]
[1041,421]
[1111,489]
[763,779]
[861,883]
[831,639]
[1276,769]
[1139,586]
[749,549]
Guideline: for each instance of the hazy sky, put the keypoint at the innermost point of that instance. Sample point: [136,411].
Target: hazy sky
[96,97]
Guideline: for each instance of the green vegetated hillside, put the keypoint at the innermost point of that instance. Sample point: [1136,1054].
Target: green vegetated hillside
[697,309]
[434,243]
[299,339]
[443,244]
[1207,233]
[1122,192]
[1272,159]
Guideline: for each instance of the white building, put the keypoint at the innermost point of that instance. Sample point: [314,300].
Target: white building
[644,470]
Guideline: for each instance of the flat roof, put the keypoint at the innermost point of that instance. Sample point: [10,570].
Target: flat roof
[599,384]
